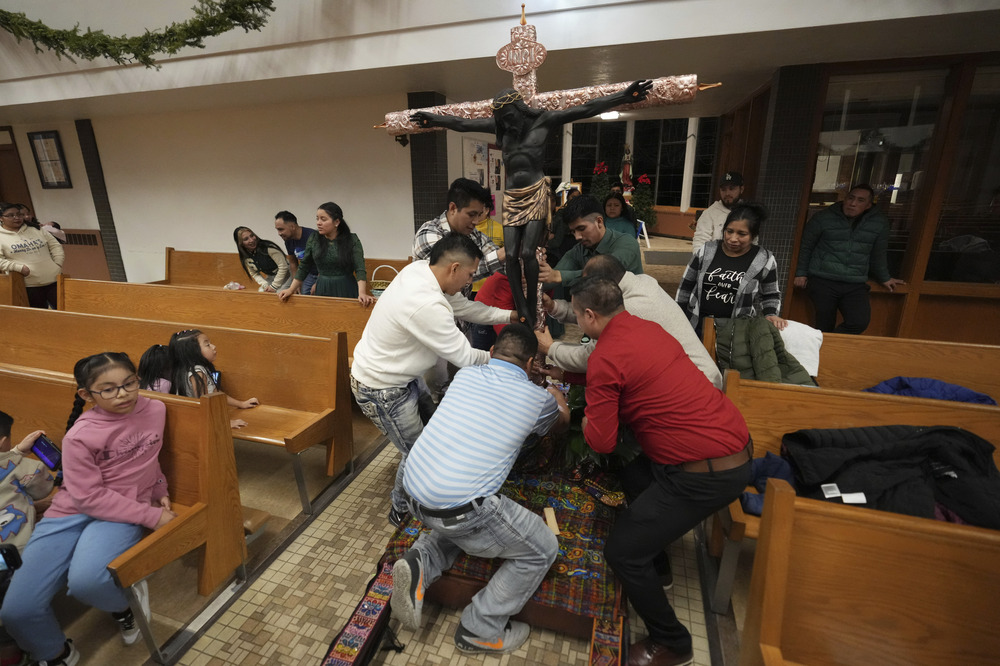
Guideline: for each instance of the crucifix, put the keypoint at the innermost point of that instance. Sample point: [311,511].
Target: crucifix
[522,119]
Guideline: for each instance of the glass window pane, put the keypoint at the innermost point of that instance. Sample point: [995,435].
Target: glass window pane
[967,241]
[877,129]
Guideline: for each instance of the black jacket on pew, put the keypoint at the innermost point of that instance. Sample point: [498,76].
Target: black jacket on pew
[903,469]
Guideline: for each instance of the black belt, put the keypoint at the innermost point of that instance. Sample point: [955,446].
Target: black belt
[732,461]
[468,507]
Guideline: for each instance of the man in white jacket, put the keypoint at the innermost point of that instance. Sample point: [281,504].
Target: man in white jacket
[711,220]
[411,326]
[643,298]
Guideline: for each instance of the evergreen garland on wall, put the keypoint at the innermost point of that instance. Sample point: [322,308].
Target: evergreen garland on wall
[212,17]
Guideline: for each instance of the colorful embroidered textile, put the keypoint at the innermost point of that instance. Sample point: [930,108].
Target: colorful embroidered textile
[580,582]
[606,643]
[360,638]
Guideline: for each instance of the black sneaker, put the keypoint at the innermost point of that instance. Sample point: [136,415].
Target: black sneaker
[407,599]
[514,635]
[397,517]
[69,657]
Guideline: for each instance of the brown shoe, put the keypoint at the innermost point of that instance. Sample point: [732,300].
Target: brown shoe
[648,653]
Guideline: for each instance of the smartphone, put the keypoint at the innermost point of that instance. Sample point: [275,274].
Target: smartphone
[10,558]
[47,452]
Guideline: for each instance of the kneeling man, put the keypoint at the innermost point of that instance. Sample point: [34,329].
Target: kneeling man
[452,476]
[695,452]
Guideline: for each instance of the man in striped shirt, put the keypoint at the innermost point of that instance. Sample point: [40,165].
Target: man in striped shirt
[452,476]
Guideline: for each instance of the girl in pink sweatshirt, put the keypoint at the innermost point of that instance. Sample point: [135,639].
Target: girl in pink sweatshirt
[113,489]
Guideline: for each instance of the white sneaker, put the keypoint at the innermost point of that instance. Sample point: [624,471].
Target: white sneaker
[126,620]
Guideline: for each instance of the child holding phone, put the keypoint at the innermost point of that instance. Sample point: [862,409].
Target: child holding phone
[23,482]
[113,489]
[193,356]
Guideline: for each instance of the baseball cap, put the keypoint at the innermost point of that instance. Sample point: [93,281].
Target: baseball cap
[732,178]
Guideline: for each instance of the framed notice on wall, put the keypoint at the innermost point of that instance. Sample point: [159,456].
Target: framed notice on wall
[50,160]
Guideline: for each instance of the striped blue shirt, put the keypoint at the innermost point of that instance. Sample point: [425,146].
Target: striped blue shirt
[471,442]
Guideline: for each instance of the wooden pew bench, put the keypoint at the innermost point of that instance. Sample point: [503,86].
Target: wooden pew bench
[12,290]
[773,410]
[197,459]
[857,362]
[842,585]
[301,381]
[215,269]
[200,307]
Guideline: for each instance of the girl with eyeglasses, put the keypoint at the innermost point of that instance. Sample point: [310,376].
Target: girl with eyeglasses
[194,375]
[33,253]
[113,488]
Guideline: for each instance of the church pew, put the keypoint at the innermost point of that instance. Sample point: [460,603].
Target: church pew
[215,269]
[203,306]
[197,459]
[12,290]
[773,410]
[301,382]
[838,585]
[856,362]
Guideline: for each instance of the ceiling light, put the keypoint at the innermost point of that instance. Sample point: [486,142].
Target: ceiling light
[610,115]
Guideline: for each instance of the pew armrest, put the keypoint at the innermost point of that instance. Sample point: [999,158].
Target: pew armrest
[177,538]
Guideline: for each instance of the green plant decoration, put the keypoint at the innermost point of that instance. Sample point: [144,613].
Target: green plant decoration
[600,184]
[212,17]
[642,201]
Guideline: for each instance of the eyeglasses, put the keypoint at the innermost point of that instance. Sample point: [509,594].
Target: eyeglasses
[111,392]
[12,215]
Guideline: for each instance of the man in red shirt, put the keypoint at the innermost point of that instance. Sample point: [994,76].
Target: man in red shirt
[695,452]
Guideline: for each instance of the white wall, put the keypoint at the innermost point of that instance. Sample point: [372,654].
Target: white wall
[186,180]
[72,208]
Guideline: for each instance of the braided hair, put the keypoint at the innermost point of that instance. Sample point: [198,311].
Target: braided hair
[86,372]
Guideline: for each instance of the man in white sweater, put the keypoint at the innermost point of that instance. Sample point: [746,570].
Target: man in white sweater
[411,326]
[644,298]
[712,218]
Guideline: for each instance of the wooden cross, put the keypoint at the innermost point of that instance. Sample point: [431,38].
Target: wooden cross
[522,57]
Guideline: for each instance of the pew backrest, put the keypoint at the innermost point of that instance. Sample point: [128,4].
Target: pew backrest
[773,410]
[292,371]
[842,585]
[198,307]
[215,269]
[857,362]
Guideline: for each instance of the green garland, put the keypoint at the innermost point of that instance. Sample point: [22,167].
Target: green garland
[211,18]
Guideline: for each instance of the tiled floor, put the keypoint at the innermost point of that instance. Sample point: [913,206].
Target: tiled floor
[293,610]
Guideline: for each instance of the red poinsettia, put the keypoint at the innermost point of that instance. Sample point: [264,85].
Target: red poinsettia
[601,168]
[644,180]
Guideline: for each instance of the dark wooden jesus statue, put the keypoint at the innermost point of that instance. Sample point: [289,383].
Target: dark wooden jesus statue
[521,134]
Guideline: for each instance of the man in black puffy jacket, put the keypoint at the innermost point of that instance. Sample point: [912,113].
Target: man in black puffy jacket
[840,246]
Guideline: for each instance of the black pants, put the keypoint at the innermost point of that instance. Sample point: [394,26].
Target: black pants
[44,296]
[668,503]
[851,298]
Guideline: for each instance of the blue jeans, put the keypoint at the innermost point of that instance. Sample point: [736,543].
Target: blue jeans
[73,551]
[499,527]
[307,284]
[400,412]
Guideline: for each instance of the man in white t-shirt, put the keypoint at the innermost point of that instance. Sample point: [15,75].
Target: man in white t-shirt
[411,326]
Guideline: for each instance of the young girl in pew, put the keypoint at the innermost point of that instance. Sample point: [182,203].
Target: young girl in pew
[156,370]
[113,489]
[194,374]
